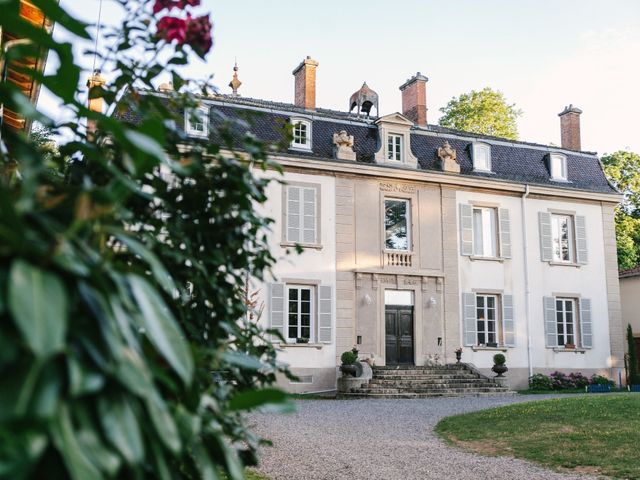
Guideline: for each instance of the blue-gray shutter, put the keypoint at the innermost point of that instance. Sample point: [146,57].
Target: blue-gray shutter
[550,325]
[581,240]
[470,324]
[294,213]
[586,330]
[325,314]
[505,233]
[277,307]
[508,322]
[546,244]
[466,229]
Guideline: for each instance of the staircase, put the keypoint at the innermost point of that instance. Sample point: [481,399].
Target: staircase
[424,382]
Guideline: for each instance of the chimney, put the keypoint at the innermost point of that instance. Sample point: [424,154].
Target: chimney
[305,75]
[96,104]
[414,99]
[570,127]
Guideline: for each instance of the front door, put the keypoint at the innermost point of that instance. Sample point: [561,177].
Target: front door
[399,334]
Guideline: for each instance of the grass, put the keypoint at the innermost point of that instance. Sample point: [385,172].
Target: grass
[592,434]
[252,475]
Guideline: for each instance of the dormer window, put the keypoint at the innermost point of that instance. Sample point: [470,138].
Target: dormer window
[481,153]
[558,167]
[197,123]
[301,135]
[394,147]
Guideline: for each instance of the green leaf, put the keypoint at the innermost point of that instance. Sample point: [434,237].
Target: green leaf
[243,360]
[161,328]
[83,379]
[250,399]
[164,424]
[145,144]
[121,427]
[38,305]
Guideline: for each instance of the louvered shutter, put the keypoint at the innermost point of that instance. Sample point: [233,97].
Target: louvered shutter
[508,322]
[277,307]
[466,229]
[586,331]
[546,245]
[470,324]
[550,325]
[505,233]
[309,215]
[581,239]
[325,314]
[294,214]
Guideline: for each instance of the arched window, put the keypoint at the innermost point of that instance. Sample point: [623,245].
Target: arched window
[301,134]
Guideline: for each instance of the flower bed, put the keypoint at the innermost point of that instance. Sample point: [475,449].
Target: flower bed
[563,381]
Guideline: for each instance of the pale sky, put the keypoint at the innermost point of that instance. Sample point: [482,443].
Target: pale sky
[542,54]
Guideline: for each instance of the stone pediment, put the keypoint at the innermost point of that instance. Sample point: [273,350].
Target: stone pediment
[396,119]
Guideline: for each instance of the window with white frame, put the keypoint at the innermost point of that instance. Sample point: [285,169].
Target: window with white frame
[301,223]
[558,167]
[197,122]
[301,135]
[485,232]
[397,215]
[487,322]
[300,312]
[394,147]
[481,153]
[562,239]
[566,321]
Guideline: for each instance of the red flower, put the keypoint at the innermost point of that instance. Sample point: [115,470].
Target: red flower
[172,28]
[169,4]
[199,34]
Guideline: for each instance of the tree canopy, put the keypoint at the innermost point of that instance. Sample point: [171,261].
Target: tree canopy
[486,112]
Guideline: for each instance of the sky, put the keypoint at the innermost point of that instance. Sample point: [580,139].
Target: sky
[541,54]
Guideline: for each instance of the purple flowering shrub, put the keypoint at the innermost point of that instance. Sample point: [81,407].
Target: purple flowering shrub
[562,381]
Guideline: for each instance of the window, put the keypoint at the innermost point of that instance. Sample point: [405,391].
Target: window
[481,157]
[562,238]
[487,325]
[301,135]
[565,321]
[396,224]
[485,232]
[300,312]
[301,214]
[394,147]
[197,124]
[558,167]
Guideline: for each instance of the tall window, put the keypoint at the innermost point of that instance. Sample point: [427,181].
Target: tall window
[301,135]
[485,232]
[487,325]
[300,312]
[394,147]
[558,167]
[481,157]
[562,237]
[197,124]
[396,224]
[565,319]
[302,214]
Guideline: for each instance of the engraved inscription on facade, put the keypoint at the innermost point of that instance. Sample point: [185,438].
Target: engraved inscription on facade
[397,187]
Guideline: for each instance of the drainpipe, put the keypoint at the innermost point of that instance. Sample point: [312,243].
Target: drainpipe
[527,292]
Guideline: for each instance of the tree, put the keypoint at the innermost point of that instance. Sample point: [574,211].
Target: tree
[122,279]
[633,375]
[623,171]
[486,112]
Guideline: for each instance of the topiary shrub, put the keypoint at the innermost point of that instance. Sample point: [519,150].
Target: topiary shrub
[540,382]
[348,358]
[499,359]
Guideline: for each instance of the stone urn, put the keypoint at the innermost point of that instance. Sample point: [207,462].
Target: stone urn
[349,369]
[499,369]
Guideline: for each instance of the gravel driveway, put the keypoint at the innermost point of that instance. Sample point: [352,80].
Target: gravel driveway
[382,440]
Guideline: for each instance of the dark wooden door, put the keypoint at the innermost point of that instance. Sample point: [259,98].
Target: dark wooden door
[399,335]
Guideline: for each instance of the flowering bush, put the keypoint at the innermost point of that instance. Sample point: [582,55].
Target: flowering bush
[562,381]
[540,382]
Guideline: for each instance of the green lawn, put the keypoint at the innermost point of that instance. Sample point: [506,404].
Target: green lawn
[251,475]
[598,433]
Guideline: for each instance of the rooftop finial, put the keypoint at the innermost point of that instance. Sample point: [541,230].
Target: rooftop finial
[235,83]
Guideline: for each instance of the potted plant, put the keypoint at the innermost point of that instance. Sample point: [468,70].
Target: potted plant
[349,360]
[499,366]
[570,346]
[458,354]
[302,340]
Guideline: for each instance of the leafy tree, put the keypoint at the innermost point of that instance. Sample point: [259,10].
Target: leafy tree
[122,279]
[633,375]
[486,112]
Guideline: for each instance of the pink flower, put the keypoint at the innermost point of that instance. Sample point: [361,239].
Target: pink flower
[169,4]
[199,34]
[172,28]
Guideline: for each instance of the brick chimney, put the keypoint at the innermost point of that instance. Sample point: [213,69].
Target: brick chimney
[570,127]
[414,99]
[96,104]
[305,75]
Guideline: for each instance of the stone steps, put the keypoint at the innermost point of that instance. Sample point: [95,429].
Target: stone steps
[427,395]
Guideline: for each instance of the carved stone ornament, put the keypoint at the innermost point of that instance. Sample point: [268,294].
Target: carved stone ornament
[343,146]
[448,160]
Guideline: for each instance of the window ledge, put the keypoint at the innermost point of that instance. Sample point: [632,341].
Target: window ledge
[486,259]
[571,350]
[560,180]
[300,148]
[198,134]
[482,170]
[565,264]
[317,346]
[314,246]
[478,348]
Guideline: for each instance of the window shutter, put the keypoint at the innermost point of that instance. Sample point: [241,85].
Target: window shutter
[325,314]
[309,215]
[508,323]
[294,211]
[276,307]
[581,239]
[586,332]
[466,229]
[469,314]
[546,248]
[550,325]
[505,233]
